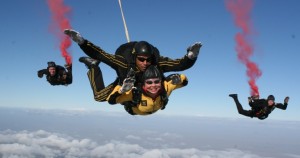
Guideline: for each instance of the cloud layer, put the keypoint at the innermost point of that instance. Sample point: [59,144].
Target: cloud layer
[80,133]
[45,144]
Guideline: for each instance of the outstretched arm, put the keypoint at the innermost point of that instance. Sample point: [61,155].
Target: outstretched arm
[168,65]
[42,72]
[284,105]
[175,81]
[186,62]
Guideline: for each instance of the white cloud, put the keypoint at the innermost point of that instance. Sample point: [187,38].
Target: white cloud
[154,136]
[133,137]
[293,155]
[45,144]
[171,135]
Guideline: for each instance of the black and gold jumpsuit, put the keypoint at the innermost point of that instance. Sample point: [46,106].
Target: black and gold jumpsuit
[122,66]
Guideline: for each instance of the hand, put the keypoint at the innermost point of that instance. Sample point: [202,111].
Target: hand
[286,99]
[74,35]
[193,50]
[40,74]
[68,66]
[128,84]
[176,79]
[255,97]
[249,99]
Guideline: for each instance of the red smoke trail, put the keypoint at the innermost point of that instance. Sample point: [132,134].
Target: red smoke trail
[59,11]
[240,9]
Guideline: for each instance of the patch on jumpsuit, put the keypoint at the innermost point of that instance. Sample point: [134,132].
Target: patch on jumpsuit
[144,102]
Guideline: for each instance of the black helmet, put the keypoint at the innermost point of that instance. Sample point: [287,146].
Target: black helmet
[143,48]
[271,97]
[151,72]
[51,64]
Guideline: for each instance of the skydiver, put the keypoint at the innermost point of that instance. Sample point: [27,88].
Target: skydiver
[140,57]
[56,74]
[153,92]
[260,108]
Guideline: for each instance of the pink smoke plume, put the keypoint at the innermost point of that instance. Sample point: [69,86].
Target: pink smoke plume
[240,10]
[59,16]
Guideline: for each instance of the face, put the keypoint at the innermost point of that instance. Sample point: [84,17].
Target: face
[142,62]
[270,102]
[152,85]
[52,71]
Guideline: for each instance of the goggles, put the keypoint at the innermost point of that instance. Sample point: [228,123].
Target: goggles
[144,59]
[150,82]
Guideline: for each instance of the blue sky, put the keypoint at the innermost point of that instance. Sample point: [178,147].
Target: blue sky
[27,44]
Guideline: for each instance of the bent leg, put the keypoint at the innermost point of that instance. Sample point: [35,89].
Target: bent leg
[96,81]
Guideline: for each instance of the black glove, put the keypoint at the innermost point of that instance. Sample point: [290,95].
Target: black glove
[286,100]
[40,74]
[176,79]
[193,50]
[74,35]
[68,66]
[249,99]
[255,97]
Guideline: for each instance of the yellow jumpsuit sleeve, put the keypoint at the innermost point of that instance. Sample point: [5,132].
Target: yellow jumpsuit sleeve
[169,87]
[117,97]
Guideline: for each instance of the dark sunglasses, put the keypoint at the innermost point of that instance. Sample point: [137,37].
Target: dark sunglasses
[151,82]
[143,59]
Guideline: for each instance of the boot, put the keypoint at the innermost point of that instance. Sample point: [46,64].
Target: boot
[233,95]
[74,35]
[89,62]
